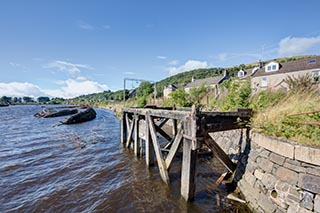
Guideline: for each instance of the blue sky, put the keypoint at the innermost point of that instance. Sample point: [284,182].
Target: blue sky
[68,48]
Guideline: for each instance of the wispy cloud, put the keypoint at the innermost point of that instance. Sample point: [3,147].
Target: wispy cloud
[189,65]
[85,26]
[14,64]
[129,73]
[174,62]
[106,27]
[161,57]
[290,46]
[67,66]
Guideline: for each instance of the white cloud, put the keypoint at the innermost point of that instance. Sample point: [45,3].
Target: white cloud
[19,89]
[189,65]
[85,26]
[68,89]
[290,46]
[174,62]
[107,27]
[72,88]
[222,56]
[161,57]
[14,64]
[66,66]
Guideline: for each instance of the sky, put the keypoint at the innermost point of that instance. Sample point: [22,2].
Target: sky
[62,48]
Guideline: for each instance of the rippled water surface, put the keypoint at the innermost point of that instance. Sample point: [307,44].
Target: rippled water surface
[83,168]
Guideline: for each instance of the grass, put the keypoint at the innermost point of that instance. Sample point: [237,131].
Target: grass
[274,120]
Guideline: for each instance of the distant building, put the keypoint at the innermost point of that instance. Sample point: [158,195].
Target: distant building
[169,89]
[212,82]
[273,74]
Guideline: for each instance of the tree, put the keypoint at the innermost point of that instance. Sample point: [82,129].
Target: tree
[27,99]
[43,99]
[145,89]
[180,98]
[197,94]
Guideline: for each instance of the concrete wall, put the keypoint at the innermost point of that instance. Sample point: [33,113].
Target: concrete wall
[274,175]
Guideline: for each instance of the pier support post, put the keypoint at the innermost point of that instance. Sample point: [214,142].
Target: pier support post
[123,128]
[136,146]
[148,145]
[189,158]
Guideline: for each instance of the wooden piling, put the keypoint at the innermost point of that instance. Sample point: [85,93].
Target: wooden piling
[123,128]
[149,157]
[136,146]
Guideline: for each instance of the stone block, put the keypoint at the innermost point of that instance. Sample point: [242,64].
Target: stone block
[275,145]
[259,185]
[269,181]
[310,183]
[278,159]
[266,203]
[296,168]
[287,175]
[258,174]
[307,154]
[313,170]
[264,153]
[317,203]
[265,164]
[307,200]
[251,179]
[293,162]
[293,195]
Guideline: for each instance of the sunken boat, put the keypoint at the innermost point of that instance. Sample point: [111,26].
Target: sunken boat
[51,112]
[4,104]
[86,115]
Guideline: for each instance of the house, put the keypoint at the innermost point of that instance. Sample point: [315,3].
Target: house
[244,74]
[273,74]
[169,89]
[212,82]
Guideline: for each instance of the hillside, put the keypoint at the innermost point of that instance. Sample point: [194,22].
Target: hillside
[179,79]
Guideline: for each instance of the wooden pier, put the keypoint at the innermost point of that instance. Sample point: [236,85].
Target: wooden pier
[190,129]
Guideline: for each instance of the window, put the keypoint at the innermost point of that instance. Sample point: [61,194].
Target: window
[241,74]
[264,82]
[272,66]
[315,76]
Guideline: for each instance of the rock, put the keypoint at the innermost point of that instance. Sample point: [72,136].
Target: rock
[310,183]
[258,174]
[278,159]
[269,181]
[287,175]
[307,200]
[317,203]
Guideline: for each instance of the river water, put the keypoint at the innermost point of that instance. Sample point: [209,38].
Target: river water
[83,168]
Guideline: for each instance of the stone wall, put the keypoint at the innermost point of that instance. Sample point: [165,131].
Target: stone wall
[274,175]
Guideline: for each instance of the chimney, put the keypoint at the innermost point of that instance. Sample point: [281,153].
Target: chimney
[260,64]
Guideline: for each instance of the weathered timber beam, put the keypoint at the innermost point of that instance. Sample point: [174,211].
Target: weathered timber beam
[149,157]
[136,135]
[163,122]
[219,153]
[163,133]
[174,148]
[123,128]
[130,134]
[188,171]
[173,114]
[161,164]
